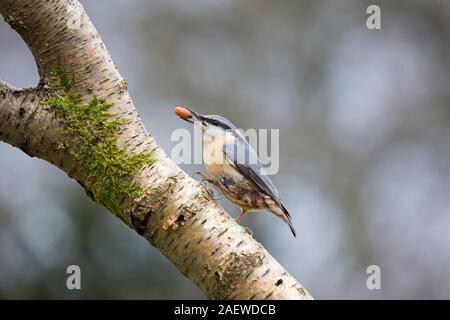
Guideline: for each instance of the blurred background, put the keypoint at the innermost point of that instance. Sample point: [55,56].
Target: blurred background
[364,155]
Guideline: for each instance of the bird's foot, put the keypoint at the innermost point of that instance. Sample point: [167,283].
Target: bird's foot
[241,215]
[213,196]
[210,191]
[239,218]
[204,178]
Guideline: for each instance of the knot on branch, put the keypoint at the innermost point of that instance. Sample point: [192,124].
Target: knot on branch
[152,201]
[229,273]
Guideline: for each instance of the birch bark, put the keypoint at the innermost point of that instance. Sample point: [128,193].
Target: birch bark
[174,212]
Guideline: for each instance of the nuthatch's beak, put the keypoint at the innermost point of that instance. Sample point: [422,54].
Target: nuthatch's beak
[188,115]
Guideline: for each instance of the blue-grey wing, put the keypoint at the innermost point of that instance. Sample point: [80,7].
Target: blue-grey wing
[245,159]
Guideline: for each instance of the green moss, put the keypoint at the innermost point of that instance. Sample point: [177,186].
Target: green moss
[106,167]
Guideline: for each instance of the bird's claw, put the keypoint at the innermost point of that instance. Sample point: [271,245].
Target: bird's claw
[211,193]
[204,178]
[241,215]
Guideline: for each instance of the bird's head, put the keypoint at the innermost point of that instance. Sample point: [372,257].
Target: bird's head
[204,121]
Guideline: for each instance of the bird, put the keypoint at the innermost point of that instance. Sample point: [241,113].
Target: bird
[234,167]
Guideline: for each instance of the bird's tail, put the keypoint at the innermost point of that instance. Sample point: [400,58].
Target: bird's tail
[286,217]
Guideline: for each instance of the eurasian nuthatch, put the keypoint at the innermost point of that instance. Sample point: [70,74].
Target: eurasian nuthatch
[234,167]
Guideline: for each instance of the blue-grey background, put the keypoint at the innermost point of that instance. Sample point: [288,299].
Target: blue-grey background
[365,144]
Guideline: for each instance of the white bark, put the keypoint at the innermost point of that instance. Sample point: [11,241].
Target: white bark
[175,213]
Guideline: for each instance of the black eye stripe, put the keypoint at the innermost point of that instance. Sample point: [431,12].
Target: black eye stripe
[215,122]
[218,123]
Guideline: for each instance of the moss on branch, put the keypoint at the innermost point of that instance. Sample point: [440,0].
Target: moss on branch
[106,167]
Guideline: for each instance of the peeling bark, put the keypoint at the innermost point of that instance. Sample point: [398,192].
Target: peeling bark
[175,213]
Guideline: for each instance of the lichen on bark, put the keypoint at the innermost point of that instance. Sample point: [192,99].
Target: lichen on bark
[107,168]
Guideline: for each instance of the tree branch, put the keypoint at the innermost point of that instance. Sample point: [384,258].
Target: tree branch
[174,212]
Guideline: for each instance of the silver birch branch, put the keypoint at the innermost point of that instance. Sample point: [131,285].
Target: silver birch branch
[174,212]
